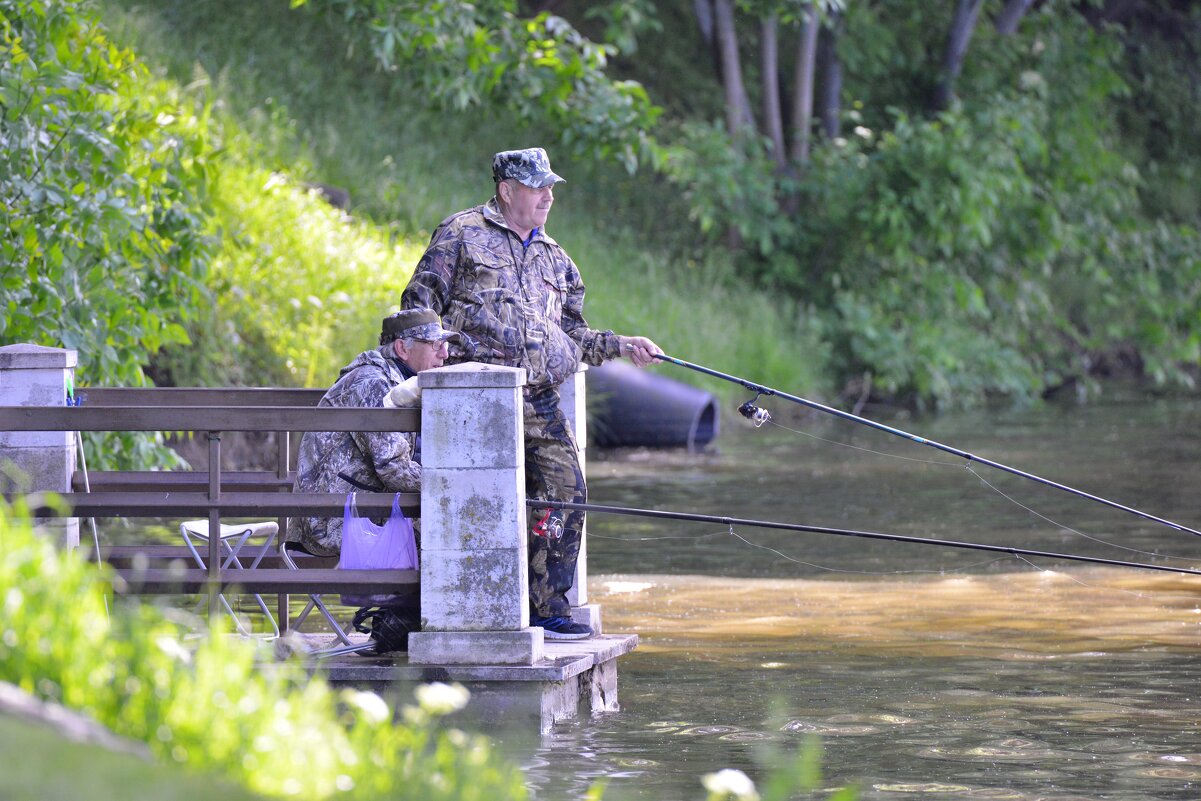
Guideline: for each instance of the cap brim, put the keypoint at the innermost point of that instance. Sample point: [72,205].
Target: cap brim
[543,180]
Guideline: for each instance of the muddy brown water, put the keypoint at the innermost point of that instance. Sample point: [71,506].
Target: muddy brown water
[922,672]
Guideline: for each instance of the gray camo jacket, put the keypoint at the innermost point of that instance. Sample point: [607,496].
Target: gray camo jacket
[518,306]
[372,461]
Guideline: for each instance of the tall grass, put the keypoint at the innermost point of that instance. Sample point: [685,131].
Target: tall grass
[295,98]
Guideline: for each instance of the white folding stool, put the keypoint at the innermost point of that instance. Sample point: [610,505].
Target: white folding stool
[233,537]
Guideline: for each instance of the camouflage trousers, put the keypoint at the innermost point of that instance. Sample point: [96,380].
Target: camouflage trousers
[552,472]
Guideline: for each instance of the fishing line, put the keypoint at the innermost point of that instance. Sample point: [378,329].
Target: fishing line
[788,558]
[1036,513]
[871,535]
[1077,580]
[861,448]
[760,416]
[982,480]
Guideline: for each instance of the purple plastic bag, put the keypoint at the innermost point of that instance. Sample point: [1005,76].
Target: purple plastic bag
[367,546]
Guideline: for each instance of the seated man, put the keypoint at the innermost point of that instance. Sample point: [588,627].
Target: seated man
[381,461]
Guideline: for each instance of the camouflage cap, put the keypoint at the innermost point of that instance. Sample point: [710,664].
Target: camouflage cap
[420,324]
[530,167]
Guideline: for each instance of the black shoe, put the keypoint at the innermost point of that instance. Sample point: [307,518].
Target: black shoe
[561,628]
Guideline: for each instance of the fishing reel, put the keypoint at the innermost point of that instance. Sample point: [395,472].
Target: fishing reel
[756,414]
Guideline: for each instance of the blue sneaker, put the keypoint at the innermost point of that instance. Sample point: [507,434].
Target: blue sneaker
[561,628]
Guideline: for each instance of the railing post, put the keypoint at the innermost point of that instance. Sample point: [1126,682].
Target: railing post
[572,400]
[32,375]
[474,551]
[282,459]
[214,540]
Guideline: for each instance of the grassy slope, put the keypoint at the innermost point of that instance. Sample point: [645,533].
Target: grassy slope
[285,78]
[36,764]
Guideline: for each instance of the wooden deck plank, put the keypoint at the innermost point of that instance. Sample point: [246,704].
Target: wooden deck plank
[564,661]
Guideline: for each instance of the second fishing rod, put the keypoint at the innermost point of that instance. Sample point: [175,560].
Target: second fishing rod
[753,412]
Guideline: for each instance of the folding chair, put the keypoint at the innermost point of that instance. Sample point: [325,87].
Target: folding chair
[232,539]
[286,550]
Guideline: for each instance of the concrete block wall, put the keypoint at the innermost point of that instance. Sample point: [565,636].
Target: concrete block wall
[474,548]
[33,375]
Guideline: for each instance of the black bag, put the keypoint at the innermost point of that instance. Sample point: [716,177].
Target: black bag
[388,627]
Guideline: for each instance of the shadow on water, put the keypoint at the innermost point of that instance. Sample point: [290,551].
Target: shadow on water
[924,671]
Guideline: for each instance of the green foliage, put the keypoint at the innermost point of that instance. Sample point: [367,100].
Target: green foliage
[1161,114]
[625,21]
[543,69]
[103,176]
[300,287]
[728,187]
[997,249]
[209,705]
[344,123]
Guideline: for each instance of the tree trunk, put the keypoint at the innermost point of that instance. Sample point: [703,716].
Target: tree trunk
[962,28]
[1011,15]
[773,121]
[802,108]
[738,107]
[830,68]
[1117,11]
[704,19]
[704,23]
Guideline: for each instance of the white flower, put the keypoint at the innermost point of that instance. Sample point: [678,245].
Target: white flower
[370,706]
[730,782]
[863,133]
[442,699]
[173,647]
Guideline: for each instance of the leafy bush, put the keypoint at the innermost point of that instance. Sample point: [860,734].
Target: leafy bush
[999,248]
[464,54]
[103,181]
[208,705]
[103,176]
[341,121]
[300,288]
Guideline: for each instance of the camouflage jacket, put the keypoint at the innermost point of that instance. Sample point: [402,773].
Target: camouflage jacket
[339,461]
[516,305]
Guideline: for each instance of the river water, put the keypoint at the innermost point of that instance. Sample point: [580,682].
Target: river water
[921,671]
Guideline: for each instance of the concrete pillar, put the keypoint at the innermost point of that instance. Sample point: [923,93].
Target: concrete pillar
[33,375]
[474,551]
[572,400]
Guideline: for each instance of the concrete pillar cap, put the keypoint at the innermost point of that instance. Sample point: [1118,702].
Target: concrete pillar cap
[26,356]
[472,375]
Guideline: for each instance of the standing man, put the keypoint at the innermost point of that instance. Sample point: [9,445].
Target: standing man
[369,461]
[516,299]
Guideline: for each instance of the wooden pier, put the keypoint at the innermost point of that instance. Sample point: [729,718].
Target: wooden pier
[473,580]
[573,678]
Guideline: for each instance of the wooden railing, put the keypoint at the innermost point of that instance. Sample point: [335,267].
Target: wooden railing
[215,493]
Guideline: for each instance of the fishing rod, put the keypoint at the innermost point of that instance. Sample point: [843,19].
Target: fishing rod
[760,416]
[842,532]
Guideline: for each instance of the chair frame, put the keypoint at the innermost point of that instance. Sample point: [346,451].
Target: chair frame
[241,532]
[315,601]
